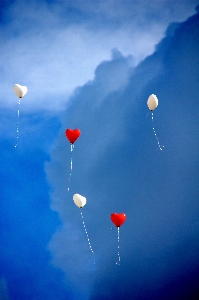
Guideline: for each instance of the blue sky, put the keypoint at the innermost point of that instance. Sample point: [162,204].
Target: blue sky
[92,65]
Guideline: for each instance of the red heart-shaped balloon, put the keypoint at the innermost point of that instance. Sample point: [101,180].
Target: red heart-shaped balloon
[72,135]
[118,219]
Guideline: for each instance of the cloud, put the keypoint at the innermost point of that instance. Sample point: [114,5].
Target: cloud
[53,47]
[117,168]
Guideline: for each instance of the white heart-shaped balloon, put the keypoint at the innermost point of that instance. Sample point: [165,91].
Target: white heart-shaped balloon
[79,200]
[20,90]
[152,102]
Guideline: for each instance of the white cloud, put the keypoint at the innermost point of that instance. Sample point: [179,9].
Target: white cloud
[44,48]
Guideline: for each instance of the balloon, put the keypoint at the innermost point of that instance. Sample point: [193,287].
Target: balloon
[118,219]
[79,200]
[72,135]
[20,90]
[152,102]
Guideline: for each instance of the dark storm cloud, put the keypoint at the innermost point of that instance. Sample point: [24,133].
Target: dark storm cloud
[117,165]
[159,190]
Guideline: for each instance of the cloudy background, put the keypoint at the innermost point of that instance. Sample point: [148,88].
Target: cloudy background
[92,65]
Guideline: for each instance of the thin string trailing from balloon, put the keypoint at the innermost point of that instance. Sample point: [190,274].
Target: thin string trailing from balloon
[161,148]
[71,164]
[17,129]
[118,245]
[87,236]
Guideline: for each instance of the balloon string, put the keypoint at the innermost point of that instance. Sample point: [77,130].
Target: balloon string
[87,236]
[118,245]
[17,129]
[71,164]
[161,148]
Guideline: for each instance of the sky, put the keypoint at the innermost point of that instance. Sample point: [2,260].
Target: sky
[92,65]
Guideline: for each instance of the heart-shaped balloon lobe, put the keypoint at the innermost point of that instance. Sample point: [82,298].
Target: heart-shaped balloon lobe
[79,200]
[72,134]
[118,219]
[20,90]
